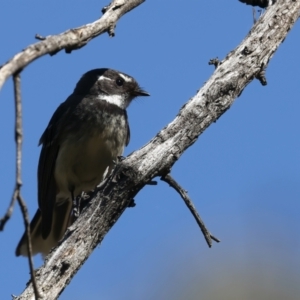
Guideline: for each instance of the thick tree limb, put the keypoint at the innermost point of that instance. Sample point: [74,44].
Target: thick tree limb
[156,158]
[69,40]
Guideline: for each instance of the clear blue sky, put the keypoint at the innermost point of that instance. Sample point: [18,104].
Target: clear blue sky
[243,173]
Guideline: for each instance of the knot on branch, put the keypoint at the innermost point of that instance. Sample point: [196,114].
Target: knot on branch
[78,35]
[39,37]
[64,267]
[214,61]
[261,77]
[227,88]
[114,6]
[111,30]
[246,51]
[122,174]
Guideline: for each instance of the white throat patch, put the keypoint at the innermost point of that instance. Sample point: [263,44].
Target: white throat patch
[114,99]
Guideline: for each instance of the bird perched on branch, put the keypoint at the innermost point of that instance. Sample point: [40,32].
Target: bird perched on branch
[80,145]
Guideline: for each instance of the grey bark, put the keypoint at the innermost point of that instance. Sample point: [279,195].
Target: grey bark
[233,74]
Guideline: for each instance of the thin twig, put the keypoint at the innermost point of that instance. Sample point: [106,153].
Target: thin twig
[17,191]
[254,15]
[261,76]
[214,61]
[8,213]
[207,235]
[39,37]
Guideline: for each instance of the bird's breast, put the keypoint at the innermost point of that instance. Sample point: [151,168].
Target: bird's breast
[86,155]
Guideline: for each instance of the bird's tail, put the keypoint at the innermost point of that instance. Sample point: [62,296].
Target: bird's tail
[60,222]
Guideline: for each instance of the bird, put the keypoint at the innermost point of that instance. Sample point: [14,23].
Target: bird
[80,146]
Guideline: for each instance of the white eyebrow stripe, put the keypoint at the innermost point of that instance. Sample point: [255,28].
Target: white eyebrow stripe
[104,78]
[126,78]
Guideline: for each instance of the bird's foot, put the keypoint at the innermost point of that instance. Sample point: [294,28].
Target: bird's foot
[76,207]
[118,159]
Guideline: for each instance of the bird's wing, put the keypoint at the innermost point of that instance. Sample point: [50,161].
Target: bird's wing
[50,141]
[128,130]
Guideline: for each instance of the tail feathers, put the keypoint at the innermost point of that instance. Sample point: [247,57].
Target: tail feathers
[61,220]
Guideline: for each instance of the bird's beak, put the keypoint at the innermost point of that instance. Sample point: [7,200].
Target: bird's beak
[140,92]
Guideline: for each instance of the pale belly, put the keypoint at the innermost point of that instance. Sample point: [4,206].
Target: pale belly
[81,165]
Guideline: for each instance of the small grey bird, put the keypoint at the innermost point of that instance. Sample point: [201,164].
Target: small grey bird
[82,141]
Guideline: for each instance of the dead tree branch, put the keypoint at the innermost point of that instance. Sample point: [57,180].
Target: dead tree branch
[17,191]
[156,158]
[207,235]
[69,40]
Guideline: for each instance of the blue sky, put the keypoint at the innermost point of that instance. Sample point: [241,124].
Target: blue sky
[243,173]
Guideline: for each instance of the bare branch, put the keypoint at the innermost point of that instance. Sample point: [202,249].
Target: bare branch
[29,247]
[207,235]
[69,40]
[8,213]
[17,192]
[39,37]
[18,140]
[254,15]
[160,154]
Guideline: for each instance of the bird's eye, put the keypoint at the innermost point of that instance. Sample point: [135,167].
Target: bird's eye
[120,81]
